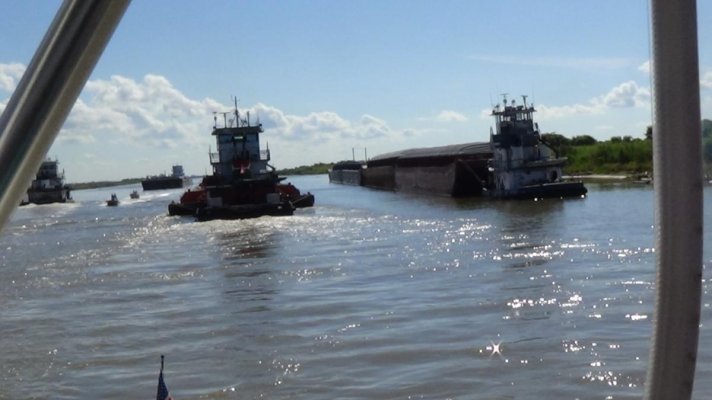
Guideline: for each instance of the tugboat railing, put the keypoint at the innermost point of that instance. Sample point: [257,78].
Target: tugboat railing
[82,28]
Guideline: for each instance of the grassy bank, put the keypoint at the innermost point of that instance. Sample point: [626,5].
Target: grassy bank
[315,169]
[605,158]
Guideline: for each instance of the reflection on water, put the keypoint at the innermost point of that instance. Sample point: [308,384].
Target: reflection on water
[248,242]
[371,294]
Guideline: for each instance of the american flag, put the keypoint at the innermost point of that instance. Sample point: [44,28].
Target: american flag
[162,393]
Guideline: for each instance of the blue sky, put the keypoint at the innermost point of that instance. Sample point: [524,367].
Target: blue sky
[326,77]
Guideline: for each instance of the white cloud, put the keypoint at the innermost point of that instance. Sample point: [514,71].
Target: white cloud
[451,116]
[645,67]
[319,126]
[150,112]
[547,113]
[627,94]
[10,75]
[557,112]
[121,118]
[706,80]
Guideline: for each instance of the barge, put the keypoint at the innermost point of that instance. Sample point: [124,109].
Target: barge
[515,163]
[175,180]
[455,170]
[347,172]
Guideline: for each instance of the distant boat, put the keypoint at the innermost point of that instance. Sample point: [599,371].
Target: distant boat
[48,186]
[347,172]
[134,194]
[174,181]
[114,201]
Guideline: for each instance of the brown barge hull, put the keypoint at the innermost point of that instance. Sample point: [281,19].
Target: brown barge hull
[457,170]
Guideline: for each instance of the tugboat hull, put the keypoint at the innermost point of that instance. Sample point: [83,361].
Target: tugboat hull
[48,186]
[47,196]
[160,183]
[244,211]
[181,209]
[306,200]
[546,190]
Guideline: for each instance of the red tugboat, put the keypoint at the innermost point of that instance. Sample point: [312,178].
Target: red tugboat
[291,193]
[243,184]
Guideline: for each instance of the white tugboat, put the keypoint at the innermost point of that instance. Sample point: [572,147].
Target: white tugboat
[48,185]
[522,165]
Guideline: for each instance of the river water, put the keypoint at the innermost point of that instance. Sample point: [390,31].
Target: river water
[368,295]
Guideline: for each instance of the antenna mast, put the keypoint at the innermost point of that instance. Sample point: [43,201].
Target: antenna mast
[237,113]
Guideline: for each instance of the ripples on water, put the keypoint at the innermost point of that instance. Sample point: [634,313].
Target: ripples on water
[371,295]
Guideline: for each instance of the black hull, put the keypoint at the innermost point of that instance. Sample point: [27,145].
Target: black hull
[181,209]
[165,183]
[48,196]
[545,190]
[345,177]
[244,211]
[306,200]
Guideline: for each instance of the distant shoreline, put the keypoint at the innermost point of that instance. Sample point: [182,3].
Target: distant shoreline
[102,184]
[582,177]
[599,177]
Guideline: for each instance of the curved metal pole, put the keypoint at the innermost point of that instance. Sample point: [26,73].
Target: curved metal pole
[48,89]
[82,29]
[677,160]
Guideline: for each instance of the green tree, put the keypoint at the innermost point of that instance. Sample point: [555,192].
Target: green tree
[706,128]
[707,150]
[583,140]
[555,140]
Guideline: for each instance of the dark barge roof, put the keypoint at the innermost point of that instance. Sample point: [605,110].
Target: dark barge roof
[450,151]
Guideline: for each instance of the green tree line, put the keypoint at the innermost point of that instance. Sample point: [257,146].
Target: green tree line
[316,169]
[619,154]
